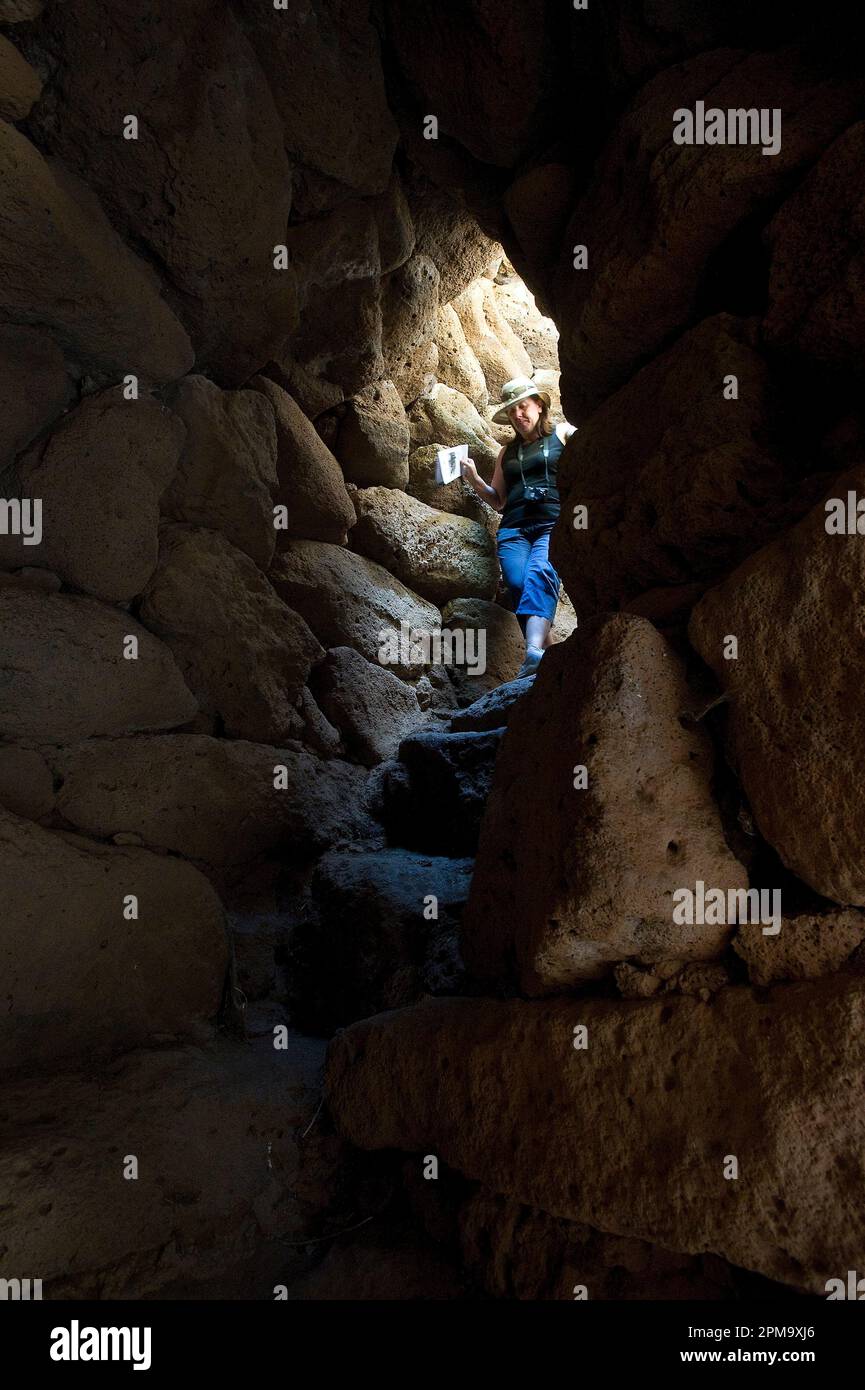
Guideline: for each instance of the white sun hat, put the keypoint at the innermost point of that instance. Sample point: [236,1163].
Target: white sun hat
[517,390]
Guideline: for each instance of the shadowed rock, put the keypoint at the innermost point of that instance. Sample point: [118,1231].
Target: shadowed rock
[573,875]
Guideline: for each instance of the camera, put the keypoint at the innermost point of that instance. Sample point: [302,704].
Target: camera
[539,494]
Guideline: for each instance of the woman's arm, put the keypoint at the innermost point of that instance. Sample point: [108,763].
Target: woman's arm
[496,495]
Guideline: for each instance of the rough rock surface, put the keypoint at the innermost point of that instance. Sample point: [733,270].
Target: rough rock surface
[122,452]
[19,84]
[212,800]
[407,1080]
[679,482]
[206,188]
[349,601]
[806,947]
[493,710]
[324,69]
[187,1221]
[65,269]
[438,555]
[34,386]
[311,486]
[436,794]
[79,974]
[497,349]
[374,438]
[443,416]
[243,651]
[378,940]
[458,367]
[76,682]
[648,249]
[820,227]
[795,728]
[519,1252]
[26,784]
[226,478]
[371,706]
[571,878]
[497,639]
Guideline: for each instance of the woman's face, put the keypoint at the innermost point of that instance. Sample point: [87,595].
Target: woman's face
[525,414]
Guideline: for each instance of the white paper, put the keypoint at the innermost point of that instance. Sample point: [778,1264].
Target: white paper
[449,461]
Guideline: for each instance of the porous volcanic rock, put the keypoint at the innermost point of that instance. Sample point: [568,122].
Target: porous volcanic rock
[571,878]
[786,1074]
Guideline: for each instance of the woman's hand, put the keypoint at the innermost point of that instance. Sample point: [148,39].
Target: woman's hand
[470,471]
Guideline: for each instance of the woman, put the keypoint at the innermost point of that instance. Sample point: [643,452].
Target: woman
[524,489]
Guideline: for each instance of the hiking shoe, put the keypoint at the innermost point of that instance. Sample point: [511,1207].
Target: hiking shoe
[530,665]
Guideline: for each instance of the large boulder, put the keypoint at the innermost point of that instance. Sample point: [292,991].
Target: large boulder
[123,453]
[409,305]
[19,11]
[807,946]
[221,802]
[19,84]
[81,973]
[324,69]
[578,871]
[679,482]
[517,1252]
[206,186]
[374,442]
[655,212]
[448,233]
[446,417]
[820,226]
[437,554]
[485,80]
[538,204]
[243,651]
[493,710]
[665,1089]
[458,367]
[435,796]
[455,497]
[499,352]
[66,269]
[537,333]
[310,484]
[337,349]
[384,934]
[492,641]
[26,783]
[372,708]
[796,729]
[350,601]
[34,386]
[81,679]
[226,479]
[186,1226]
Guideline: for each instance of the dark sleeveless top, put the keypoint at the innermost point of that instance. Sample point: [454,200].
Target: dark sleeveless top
[517,512]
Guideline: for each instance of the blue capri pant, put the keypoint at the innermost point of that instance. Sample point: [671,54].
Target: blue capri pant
[524,558]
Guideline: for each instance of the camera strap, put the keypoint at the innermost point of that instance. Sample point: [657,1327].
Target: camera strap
[546,451]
